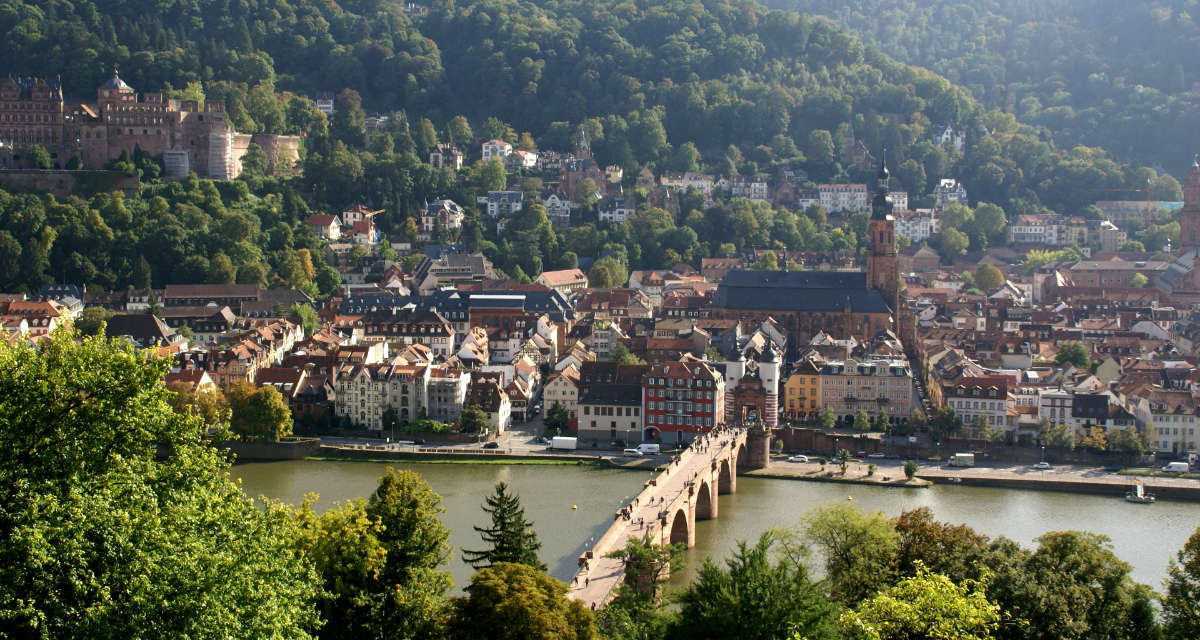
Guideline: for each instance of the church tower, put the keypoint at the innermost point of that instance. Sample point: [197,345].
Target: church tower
[883,272]
[1189,216]
[582,150]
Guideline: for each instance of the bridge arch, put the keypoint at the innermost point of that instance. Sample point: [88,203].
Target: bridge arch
[706,502]
[726,481]
[680,531]
[743,456]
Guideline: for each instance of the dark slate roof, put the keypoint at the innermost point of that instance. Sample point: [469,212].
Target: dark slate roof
[1094,406]
[798,291]
[617,394]
[143,328]
[115,82]
[59,291]
[449,301]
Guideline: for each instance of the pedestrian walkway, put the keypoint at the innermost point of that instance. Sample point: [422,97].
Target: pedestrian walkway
[665,511]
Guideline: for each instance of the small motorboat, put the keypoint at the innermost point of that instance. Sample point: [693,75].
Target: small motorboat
[1138,495]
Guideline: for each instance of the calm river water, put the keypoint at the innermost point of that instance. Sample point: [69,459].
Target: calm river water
[1146,536]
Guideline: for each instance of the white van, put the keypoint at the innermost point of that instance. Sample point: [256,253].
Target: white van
[632,453]
[647,449]
[1181,467]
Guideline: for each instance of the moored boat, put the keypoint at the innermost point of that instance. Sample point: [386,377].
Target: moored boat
[1138,495]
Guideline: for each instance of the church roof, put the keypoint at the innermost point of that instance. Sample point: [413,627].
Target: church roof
[812,291]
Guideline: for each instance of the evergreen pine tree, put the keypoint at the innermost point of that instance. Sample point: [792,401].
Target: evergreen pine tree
[510,537]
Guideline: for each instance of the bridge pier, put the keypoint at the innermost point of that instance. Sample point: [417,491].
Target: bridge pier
[758,447]
[726,479]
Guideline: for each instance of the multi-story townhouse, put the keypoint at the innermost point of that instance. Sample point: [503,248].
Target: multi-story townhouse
[978,401]
[367,392]
[1173,414]
[844,197]
[849,386]
[447,393]
[682,399]
[410,326]
[563,389]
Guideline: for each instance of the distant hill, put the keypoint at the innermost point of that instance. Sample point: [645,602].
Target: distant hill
[750,90]
[1109,73]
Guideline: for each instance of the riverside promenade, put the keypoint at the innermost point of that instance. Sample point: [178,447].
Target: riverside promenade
[666,510]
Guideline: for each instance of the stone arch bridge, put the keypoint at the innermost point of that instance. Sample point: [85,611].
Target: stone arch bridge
[669,505]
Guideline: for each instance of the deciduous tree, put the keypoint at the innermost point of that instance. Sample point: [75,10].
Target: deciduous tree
[417,545]
[1181,602]
[517,602]
[473,420]
[927,605]
[258,413]
[858,549]
[101,537]
[557,419]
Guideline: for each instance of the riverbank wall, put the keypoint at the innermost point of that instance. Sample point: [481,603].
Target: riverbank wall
[368,454]
[1116,489]
[289,449]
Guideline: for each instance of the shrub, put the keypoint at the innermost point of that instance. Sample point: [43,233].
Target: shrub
[910,469]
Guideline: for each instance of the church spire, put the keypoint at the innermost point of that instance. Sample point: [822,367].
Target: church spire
[881,205]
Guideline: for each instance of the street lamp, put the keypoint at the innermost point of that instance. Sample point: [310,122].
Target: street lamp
[1043,453]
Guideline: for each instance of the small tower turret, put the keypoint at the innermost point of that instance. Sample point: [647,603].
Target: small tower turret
[735,368]
[768,373]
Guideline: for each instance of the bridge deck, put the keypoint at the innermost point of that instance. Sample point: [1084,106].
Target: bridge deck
[597,579]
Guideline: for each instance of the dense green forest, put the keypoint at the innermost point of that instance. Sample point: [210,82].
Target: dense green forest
[1108,73]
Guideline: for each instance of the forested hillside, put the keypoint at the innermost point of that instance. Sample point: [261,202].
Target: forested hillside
[722,86]
[1109,73]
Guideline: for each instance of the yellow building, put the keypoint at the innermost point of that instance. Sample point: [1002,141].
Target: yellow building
[801,391]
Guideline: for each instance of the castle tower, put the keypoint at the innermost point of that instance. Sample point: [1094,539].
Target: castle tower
[883,273]
[1189,216]
[768,372]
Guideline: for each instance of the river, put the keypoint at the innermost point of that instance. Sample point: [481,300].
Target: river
[1145,536]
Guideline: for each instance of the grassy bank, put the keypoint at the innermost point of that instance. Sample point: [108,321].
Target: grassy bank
[466,460]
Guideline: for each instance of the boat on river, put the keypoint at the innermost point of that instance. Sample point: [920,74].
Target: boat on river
[1138,495]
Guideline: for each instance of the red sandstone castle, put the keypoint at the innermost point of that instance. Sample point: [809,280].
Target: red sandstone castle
[33,111]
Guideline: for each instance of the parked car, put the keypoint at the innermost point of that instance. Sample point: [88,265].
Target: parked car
[877,454]
[632,453]
[492,445]
[418,441]
[798,459]
[1042,465]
